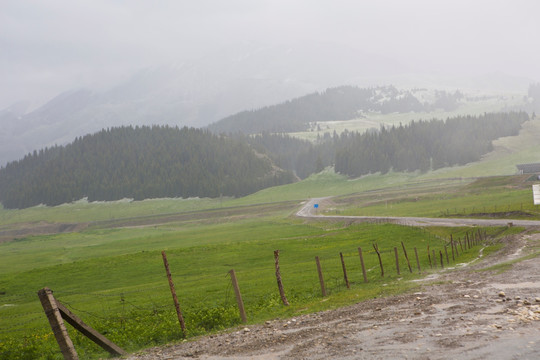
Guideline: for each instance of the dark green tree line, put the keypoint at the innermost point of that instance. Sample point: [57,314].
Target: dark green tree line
[142,162]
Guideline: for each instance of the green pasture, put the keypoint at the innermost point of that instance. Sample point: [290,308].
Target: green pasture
[508,197]
[115,281]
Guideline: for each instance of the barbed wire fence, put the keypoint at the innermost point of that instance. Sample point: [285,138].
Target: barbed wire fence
[114,312]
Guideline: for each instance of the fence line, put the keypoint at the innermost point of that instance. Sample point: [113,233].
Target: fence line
[124,305]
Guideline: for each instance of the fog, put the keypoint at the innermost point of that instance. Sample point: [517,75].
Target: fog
[50,46]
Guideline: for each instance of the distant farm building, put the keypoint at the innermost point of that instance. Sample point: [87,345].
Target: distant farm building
[529,168]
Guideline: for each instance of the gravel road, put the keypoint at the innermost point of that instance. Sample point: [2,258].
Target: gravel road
[308,210]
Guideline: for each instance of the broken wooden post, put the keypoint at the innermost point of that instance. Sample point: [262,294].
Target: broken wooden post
[344,271]
[57,324]
[278,278]
[239,300]
[362,263]
[321,280]
[173,293]
[89,332]
[57,312]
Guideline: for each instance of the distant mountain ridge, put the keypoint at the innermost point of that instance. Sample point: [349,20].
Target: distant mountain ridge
[200,92]
[340,103]
[191,94]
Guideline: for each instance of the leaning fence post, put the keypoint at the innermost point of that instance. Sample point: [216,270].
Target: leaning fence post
[278,278]
[321,279]
[344,271]
[239,300]
[173,292]
[397,259]
[57,324]
[452,246]
[376,247]
[417,260]
[362,263]
[406,257]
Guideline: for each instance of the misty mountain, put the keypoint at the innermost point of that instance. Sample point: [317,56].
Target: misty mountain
[189,94]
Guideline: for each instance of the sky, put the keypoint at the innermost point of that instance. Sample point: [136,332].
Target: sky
[47,47]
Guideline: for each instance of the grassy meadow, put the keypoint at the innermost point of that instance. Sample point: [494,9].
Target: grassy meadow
[508,197]
[111,273]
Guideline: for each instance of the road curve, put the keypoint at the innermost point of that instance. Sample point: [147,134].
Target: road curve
[309,211]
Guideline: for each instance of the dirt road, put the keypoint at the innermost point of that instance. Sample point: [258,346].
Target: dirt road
[308,210]
[456,313]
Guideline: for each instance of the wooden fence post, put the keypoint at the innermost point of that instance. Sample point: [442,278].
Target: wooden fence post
[376,247]
[452,246]
[278,278]
[321,280]
[48,299]
[344,271]
[397,260]
[362,263]
[429,258]
[446,253]
[57,324]
[406,257]
[173,293]
[442,262]
[417,260]
[239,300]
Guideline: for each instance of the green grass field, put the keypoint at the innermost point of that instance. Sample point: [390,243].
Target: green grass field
[508,197]
[114,278]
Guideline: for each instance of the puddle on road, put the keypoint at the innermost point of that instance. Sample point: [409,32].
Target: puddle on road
[521,285]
